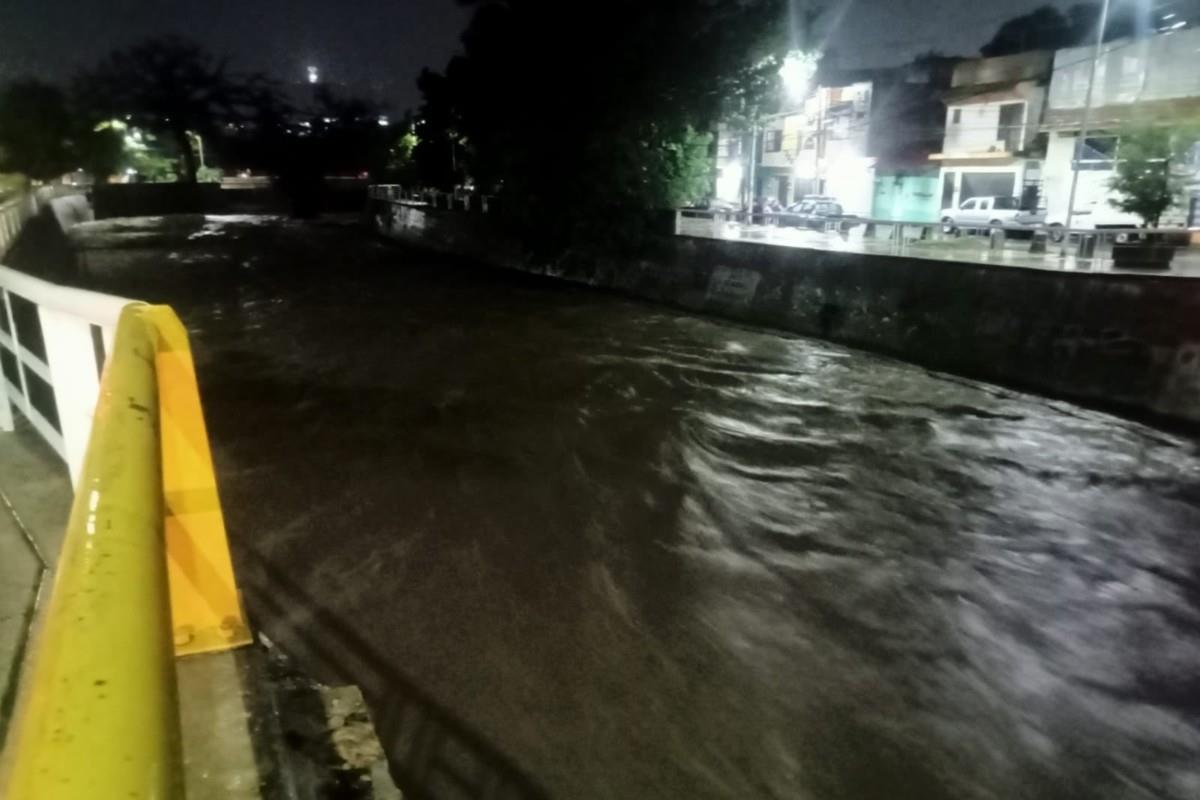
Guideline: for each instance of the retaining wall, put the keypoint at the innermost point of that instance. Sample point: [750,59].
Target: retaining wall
[1128,342]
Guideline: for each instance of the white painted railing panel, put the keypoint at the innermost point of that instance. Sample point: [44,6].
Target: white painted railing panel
[75,378]
[76,330]
[13,215]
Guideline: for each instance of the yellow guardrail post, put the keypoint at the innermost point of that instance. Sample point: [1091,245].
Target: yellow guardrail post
[98,712]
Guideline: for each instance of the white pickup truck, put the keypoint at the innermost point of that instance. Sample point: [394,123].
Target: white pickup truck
[982,212]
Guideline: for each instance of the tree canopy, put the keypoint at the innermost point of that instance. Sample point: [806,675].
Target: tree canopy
[36,130]
[1047,28]
[42,138]
[1146,182]
[171,87]
[584,113]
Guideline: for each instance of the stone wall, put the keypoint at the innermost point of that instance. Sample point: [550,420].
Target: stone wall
[1128,342]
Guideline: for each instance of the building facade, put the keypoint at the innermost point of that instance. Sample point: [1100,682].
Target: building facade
[821,147]
[992,144]
[1149,80]
[862,137]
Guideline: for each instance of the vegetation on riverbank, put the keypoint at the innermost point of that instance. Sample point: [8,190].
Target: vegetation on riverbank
[586,119]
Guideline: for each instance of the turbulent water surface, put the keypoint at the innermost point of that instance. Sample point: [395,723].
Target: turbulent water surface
[580,546]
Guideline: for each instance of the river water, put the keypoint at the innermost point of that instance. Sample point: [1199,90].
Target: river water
[585,547]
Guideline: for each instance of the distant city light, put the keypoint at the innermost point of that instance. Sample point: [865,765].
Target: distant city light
[314,75]
[384,122]
[1168,16]
[1178,25]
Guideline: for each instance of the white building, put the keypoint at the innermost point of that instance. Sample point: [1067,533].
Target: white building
[1154,79]
[732,159]
[993,114]
[821,147]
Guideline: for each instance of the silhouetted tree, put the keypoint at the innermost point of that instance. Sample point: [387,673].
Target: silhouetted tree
[441,154]
[1047,28]
[352,140]
[172,87]
[588,115]
[1044,28]
[36,130]
[42,137]
[101,153]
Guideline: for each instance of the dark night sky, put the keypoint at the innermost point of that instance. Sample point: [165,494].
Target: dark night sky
[379,46]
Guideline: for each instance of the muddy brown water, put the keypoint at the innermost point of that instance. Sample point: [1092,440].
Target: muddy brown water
[577,546]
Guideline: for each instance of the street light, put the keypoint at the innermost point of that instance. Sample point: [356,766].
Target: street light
[1087,116]
[797,73]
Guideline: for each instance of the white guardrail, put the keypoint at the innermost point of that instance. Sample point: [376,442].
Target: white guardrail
[912,230]
[53,344]
[13,215]
[909,237]
[452,201]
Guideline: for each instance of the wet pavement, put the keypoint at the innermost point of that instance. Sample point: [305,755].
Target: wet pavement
[929,241]
[578,546]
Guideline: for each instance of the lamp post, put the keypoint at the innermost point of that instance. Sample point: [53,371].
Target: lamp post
[1087,115]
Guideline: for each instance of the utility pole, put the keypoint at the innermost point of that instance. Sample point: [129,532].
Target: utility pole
[753,167]
[1087,116]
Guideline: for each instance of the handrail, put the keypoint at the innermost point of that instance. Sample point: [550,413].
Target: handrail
[144,572]
[741,215]
[394,192]
[96,308]
[57,353]
[99,714]
[13,215]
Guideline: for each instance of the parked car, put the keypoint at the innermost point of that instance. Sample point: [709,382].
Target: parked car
[1096,214]
[818,213]
[716,208]
[977,213]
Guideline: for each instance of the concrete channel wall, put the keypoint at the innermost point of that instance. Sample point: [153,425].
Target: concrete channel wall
[1128,342]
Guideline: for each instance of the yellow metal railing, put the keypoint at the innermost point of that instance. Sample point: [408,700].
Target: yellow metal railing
[144,575]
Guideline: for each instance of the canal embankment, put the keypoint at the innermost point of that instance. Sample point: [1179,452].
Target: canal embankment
[1125,342]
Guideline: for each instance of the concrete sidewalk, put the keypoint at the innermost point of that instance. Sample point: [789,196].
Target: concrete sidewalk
[35,499]
[965,248]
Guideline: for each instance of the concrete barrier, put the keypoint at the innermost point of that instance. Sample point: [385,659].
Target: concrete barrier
[70,210]
[1127,342]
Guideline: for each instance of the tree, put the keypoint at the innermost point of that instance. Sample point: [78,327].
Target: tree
[349,134]
[36,130]
[586,116]
[171,87]
[1047,28]
[101,153]
[42,137]
[1145,179]
[1044,28]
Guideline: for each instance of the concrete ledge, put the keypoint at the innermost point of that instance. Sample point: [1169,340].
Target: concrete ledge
[253,727]
[1126,342]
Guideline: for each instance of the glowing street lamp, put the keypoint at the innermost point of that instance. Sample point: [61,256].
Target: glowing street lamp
[797,72]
